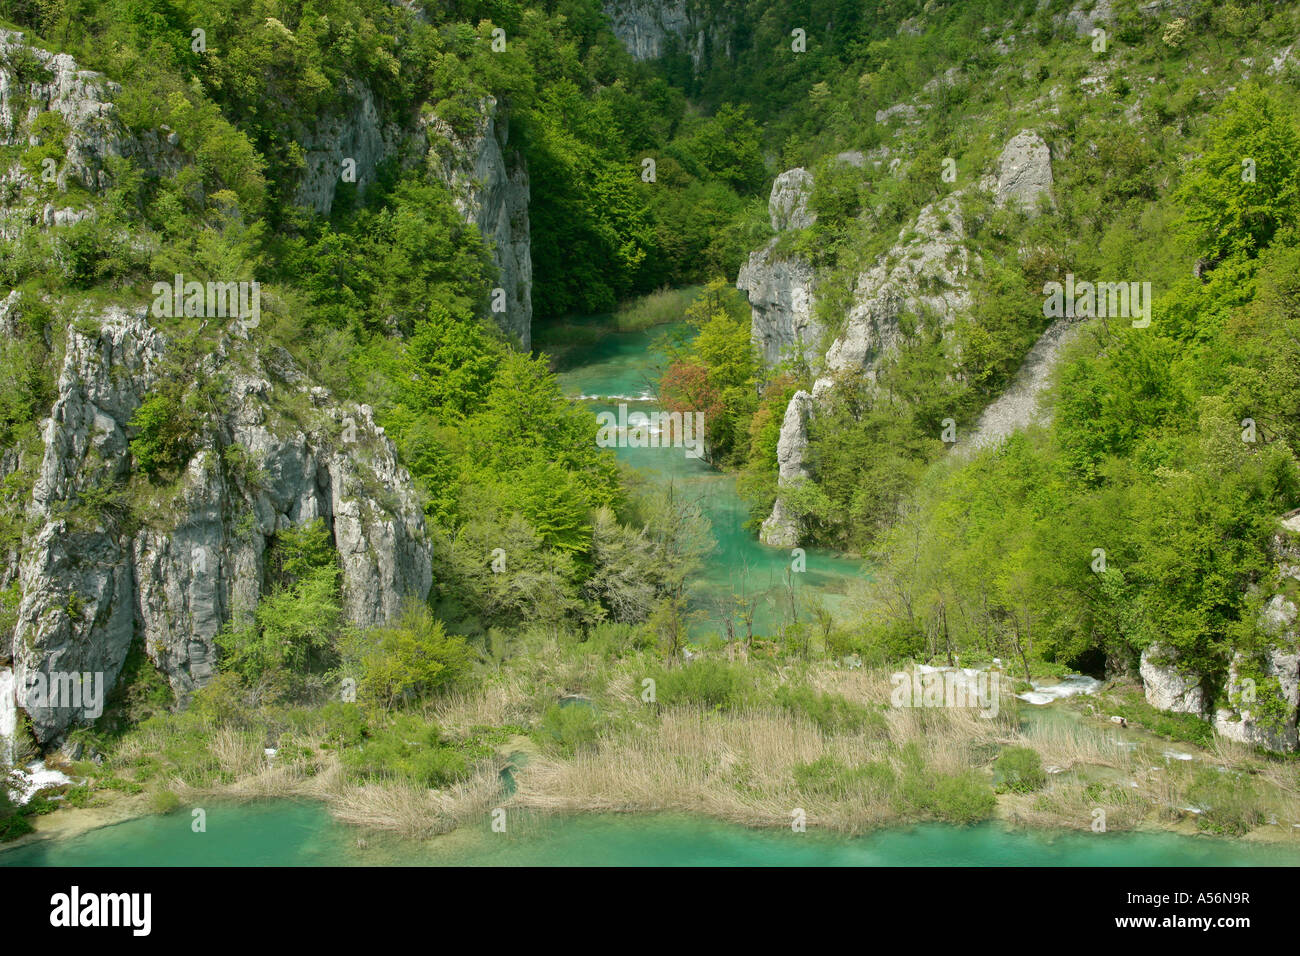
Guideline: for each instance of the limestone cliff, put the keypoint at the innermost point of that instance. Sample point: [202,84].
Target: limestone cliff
[925,276]
[780,287]
[650,29]
[91,580]
[489,181]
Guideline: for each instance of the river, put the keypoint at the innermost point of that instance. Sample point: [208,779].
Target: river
[624,367]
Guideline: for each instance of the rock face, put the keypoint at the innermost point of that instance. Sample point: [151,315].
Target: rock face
[1241,716]
[1239,721]
[352,142]
[1025,172]
[923,275]
[780,529]
[649,29]
[788,204]
[780,287]
[489,182]
[1089,15]
[1168,688]
[53,83]
[90,582]
[1019,406]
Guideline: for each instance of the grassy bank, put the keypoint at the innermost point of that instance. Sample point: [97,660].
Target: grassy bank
[745,738]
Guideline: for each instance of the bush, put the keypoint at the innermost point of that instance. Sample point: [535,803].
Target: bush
[710,683]
[963,798]
[163,801]
[164,439]
[408,749]
[570,728]
[831,713]
[1019,770]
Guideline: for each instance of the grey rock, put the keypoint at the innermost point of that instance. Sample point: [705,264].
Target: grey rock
[1024,171]
[787,206]
[780,288]
[924,274]
[1168,688]
[780,529]
[1238,722]
[1089,15]
[88,586]
[489,183]
[647,29]
[1020,405]
[355,136]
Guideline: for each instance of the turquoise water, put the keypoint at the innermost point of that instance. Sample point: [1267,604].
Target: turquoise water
[626,367]
[282,833]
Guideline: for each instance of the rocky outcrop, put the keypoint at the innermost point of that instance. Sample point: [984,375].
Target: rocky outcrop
[780,529]
[489,183]
[1088,15]
[35,81]
[780,287]
[924,275]
[650,29]
[1168,688]
[1025,172]
[1263,695]
[91,580]
[347,146]
[487,177]
[1021,405]
[1241,719]
[787,206]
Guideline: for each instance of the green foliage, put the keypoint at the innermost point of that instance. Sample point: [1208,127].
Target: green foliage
[407,749]
[708,683]
[1019,770]
[570,728]
[411,659]
[290,639]
[164,432]
[1245,186]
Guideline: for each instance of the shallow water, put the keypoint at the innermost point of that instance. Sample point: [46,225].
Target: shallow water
[284,833]
[625,367]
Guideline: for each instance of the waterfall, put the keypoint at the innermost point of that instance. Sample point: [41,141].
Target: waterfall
[8,716]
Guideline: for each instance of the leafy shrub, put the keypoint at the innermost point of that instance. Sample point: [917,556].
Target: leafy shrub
[570,728]
[1020,770]
[713,684]
[163,801]
[164,439]
[413,658]
[963,798]
[832,713]
[407,749]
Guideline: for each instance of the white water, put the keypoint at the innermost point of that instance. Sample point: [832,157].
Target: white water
[36,775]
[1067,687]
[8,716]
